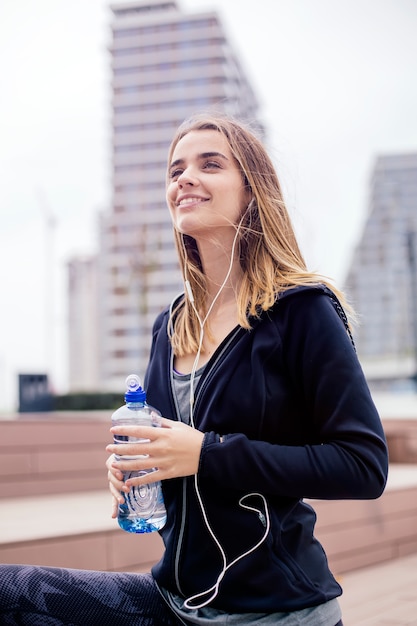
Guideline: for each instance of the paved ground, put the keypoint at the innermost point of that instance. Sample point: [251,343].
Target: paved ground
[381,595]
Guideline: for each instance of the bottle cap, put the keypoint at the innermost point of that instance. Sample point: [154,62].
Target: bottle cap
[134,392]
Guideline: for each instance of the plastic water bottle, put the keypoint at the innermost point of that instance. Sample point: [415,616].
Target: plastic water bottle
[143,510]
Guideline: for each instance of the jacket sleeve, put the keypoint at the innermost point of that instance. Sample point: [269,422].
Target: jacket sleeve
[348,458]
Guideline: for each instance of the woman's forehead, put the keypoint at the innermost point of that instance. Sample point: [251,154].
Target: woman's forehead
[196,141]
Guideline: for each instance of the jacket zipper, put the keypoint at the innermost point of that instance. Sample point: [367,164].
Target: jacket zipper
[184,488]
[205,379]
[206,376]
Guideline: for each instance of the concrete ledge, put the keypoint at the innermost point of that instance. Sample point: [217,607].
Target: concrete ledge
[55,505]
[72,530]
[401,437]
[76,530]
[398,413]
[358,533]
[54,454]
[105,551]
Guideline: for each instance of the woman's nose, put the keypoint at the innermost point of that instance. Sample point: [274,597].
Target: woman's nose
[186,178]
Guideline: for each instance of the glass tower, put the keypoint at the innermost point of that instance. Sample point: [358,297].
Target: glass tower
[382,280]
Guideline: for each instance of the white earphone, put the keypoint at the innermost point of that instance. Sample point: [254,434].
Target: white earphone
[263,513]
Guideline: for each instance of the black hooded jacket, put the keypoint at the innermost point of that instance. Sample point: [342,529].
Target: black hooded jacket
[287,415]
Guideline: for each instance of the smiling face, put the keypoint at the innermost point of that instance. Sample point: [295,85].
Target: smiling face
[206,194]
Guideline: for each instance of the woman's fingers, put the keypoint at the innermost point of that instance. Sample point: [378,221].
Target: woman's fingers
[116,486]
[114,508]
[173,449]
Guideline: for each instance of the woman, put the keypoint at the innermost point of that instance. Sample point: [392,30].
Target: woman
[264,404]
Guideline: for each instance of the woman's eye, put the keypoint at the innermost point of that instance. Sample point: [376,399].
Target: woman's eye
[211,164]
[207,165]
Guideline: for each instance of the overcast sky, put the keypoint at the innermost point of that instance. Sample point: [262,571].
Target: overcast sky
[337,85]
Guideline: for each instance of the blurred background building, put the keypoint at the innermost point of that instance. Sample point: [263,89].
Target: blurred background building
[83,352]
[382,279]
[166,65]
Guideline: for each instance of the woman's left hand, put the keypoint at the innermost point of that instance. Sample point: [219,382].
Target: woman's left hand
[173,449]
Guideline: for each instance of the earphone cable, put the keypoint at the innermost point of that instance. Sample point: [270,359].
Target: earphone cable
[263,516]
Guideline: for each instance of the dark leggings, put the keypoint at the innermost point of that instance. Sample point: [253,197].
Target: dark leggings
[50,596]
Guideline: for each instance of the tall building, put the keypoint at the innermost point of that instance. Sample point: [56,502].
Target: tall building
[382,280]
[82,320]
[166,65]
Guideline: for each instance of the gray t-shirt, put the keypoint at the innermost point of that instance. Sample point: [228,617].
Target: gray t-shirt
[182,392]
[327,614]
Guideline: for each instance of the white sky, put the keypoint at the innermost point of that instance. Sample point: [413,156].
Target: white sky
[337,84]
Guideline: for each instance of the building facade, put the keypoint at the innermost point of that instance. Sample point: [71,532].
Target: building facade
[166,66]
[382,280]
[83,370]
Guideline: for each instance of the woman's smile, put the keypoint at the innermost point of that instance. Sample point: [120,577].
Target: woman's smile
[188,200]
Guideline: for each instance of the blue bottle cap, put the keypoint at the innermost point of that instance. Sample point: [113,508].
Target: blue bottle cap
[134,391]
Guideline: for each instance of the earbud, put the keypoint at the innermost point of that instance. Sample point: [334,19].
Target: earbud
[189,292]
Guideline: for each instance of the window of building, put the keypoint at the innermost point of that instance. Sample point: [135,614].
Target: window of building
[179,65]
[152,106]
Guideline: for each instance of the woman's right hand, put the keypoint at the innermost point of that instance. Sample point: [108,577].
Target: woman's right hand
[116,485]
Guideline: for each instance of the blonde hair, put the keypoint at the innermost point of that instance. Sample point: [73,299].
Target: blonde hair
[269,253]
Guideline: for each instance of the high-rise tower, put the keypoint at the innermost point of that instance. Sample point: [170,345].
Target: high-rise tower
[382,280]
[166,66]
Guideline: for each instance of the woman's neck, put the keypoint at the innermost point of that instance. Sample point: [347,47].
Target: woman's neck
[221,294]
[222,273]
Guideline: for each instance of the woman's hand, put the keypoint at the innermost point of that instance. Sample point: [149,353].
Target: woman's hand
[173,449]
[116,485]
